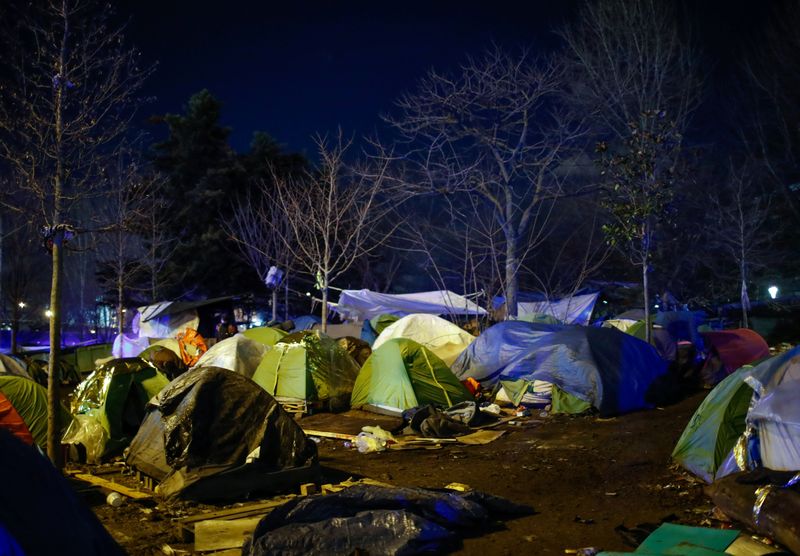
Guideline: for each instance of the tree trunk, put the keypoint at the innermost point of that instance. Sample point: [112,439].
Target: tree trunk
[646,294]
[745,300]
[53,379]
[120,309]
[274,304]
[14,325]
[512,265]
[286,296]
[325,305]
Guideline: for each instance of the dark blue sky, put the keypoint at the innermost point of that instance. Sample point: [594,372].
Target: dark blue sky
[296,68]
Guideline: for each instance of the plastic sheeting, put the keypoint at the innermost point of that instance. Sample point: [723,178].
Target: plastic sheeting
[570,310]
[238,353]
[12,366]
[205,423]
[109,406]
[402,374]
[127,345]
[365,304]
[442,337]
[378,520]
[165,326]
[308,366]
[602,366]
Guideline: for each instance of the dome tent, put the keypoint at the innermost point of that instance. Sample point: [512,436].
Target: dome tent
[752,403]
[200,430]
[441,336]
[402,374]
[266,335]
[603,367]
[23,409]
[308,366]
[238,353]
[109,406]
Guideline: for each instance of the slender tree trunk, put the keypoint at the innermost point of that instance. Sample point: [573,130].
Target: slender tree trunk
[646,295]
[286,296]
[325,304]
[274,304]
[14,325]
[120,309]
[745,300]
[53,378]
[512,266]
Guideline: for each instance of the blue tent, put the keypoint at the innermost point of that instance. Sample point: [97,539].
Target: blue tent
[607,368]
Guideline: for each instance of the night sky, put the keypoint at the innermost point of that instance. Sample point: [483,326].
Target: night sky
[294,69]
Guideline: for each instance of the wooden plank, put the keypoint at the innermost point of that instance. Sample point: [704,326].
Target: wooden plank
[326,434]
[241,511]
[221,534]
[110,485]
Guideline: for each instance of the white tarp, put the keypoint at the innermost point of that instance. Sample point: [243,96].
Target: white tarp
[365,304]
[167,326]
[126,345]
[569,310]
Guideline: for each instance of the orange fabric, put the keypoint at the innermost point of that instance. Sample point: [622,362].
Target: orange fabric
[192,345]
[11,420]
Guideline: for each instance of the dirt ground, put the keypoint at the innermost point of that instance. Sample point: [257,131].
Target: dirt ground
[583,476]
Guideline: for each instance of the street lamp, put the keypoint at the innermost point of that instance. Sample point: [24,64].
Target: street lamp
[773,291]
[21,304]
[48,313]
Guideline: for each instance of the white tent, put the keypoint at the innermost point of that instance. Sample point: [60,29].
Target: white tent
[570,310]
[443,338]
[155,321]
[365,304]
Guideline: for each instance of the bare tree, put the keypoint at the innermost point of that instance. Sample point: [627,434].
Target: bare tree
[262,231]
[335,214]
[739,215]
[627,58]
[70,89]
[492,130]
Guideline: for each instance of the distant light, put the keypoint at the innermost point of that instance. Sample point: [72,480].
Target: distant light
[605,302]
[48,313]
[92,331]
[308,294]
[256,321]
[656,305]
[21,304]
[773,291]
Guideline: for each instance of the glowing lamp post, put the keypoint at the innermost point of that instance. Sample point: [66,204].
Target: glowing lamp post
[773,291]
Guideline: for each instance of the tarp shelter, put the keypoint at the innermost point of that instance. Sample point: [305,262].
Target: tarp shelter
[445,339]
[365,304]
[748,420]
[308,367]
[129,345]
[12,366]
[164,319]
[109,406]
[570,310]
[603,367]
[238,353]
[41,511]
[199,432]
[665,344]
[266,335]
[305,322]
[23,409]
[402,374]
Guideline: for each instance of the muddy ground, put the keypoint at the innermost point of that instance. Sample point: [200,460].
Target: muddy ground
[583,476]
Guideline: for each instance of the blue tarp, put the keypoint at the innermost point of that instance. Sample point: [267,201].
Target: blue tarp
[602,366]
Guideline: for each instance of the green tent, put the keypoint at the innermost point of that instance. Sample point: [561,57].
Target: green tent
[165,343]
[29,401]
[110,404]
[380,322]
[308,366]
[715,427]
[402,374]
[265,334]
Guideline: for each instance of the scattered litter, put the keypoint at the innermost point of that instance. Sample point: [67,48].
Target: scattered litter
[115,500]
[492,409]
[586,551]
[584,520]
[611,493]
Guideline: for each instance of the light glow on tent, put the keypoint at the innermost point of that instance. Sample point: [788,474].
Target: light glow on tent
[773,291]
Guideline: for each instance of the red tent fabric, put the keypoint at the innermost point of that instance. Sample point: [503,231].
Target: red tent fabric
[737,347]
[11,420]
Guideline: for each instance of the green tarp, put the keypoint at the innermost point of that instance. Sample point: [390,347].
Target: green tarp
[684,540]
[402,374]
